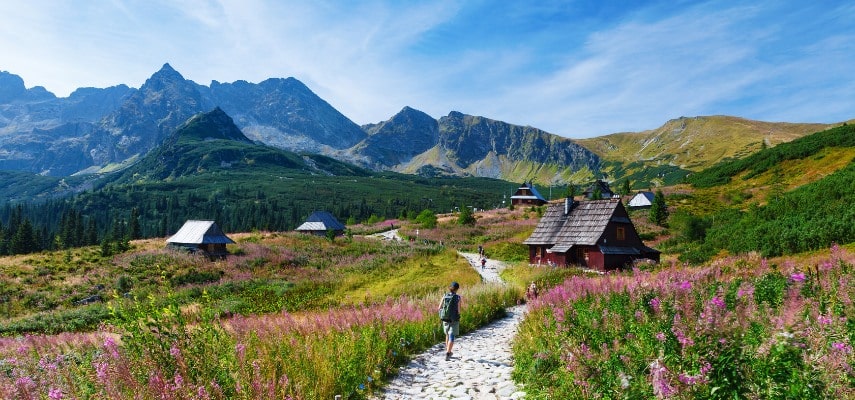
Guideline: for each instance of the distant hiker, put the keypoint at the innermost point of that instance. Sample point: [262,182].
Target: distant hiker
[449,313]
[481,250]
[483,263]
[531,292]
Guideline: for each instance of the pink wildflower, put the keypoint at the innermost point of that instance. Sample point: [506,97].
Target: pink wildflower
[101,371]
[174,350]
[655,304]
[797,277]
[660,336]
[718,301]
[659,379]
[25,382]
[684,285]
[55,394]
[111,347]
[842,347]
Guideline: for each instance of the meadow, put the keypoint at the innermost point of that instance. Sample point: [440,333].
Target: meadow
[738,327]
[286,316]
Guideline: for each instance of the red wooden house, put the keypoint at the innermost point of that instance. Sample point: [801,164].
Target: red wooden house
[595,234]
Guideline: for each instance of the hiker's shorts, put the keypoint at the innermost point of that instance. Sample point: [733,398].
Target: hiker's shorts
[451,328]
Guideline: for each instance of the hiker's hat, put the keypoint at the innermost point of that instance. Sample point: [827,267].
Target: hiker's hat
[454,285]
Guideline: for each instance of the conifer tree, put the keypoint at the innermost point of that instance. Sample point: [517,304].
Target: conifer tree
[466,217]
[659,210]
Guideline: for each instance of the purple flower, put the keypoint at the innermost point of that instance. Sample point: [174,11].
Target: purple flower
[842,347]
[101,371]
[25,382]
[174,350]
[718,301]
[55,394]
[684,285]
[797,277]
[655,304]
[111,346]
[660,336]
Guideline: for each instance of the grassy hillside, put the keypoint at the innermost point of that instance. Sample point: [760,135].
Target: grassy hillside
[691,144]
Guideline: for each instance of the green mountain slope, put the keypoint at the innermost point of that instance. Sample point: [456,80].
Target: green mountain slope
[208,170]
[686,145]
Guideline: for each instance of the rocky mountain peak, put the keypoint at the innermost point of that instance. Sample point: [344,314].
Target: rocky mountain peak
[12,88]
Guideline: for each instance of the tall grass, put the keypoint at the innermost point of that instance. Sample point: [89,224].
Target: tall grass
[377,306]
[738,328]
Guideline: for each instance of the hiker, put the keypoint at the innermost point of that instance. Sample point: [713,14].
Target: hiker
[531,292]
[481,250]
[483,263]
[449,313]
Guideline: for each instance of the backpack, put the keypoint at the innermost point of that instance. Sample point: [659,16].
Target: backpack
[449,311]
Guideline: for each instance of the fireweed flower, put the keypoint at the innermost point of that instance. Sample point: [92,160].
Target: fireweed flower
[684,285]
[655,304]
[841,347]
[797,277]
[660,336]
[55,394]
[718,301]
[659,379]
[174,350]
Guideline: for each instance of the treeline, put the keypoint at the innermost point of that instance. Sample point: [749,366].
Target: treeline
[116,214]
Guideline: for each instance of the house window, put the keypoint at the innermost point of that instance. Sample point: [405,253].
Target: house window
[621,234]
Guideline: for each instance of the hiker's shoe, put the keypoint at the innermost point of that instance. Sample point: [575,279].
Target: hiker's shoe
[448,355]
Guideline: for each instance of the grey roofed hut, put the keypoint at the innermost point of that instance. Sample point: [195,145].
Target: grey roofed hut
[641,200]
[200,236]
[319,223]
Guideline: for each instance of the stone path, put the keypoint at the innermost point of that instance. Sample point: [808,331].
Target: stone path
[480,368]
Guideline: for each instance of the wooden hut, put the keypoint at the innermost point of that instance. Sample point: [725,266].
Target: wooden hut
[527,195]
[601,186]
[595,234]
[204,237]
[319,223]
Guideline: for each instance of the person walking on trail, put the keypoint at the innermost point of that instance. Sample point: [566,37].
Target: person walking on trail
[449,313]
[483,263]
[481,250]
[531,293]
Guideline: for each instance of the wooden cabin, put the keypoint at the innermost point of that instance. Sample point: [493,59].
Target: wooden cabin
[527,195]
[203,237]
[601,186]
[595,234]
[319,223]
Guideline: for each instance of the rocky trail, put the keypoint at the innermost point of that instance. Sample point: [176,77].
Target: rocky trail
[482,362]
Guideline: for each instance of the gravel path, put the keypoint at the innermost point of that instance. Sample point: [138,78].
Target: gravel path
[482,362]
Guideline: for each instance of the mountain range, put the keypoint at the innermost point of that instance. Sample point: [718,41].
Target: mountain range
[96,131]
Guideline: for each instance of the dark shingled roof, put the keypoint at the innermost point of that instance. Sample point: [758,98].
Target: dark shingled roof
[321,221]
[535,195]
[584,225]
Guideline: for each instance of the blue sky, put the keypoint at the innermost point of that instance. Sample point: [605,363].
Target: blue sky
[574,68]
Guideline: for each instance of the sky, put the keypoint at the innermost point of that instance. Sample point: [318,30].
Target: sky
[573,68]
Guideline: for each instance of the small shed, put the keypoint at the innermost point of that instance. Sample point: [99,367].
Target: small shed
[319,223]
[641,200]
[595,234]
[602,186]
[200,236]
[526,195]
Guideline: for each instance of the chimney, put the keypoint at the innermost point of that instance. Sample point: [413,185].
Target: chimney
[567,203]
